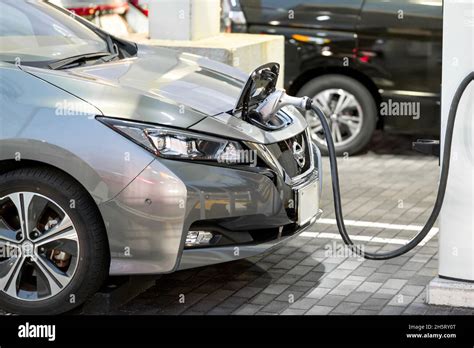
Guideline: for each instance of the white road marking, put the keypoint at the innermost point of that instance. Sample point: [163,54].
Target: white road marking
[374,225]
[371,239]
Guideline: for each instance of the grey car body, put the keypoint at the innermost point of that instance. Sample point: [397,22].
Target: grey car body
[147,203]
[111,168]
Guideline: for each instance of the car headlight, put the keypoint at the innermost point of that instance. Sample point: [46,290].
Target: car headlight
[178,144]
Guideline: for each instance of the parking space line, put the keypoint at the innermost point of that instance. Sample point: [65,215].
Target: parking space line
[372,239]
[374,225]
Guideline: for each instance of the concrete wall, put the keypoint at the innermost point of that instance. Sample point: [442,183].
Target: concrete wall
[184,19]
[244,51]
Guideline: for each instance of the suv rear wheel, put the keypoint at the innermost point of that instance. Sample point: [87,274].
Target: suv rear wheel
[349,108]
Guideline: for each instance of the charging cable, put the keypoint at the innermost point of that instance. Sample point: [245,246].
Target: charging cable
[448,139]
[278,99]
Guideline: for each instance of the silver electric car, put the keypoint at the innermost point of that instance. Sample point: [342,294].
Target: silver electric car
[120,159]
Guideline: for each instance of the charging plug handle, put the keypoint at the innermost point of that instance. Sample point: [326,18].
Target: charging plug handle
[277,100]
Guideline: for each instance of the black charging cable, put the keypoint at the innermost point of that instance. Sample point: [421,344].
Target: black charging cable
[448,139]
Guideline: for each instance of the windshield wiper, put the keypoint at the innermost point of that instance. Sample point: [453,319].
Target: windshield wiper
[115,54]
[104,57]
[78,59]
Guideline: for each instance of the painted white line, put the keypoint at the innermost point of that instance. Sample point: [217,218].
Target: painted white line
[433,232]
[355,238]
[375,225]
[372,239]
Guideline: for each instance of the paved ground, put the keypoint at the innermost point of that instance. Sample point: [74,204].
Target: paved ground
[311,274]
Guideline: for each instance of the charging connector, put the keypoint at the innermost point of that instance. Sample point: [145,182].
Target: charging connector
[278,99]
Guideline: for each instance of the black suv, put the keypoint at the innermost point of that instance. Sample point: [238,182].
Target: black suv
[366,63]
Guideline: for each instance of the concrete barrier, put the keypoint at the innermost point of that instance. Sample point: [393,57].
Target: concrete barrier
[243,51]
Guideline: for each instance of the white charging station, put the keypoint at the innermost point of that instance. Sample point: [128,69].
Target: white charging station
[455,284]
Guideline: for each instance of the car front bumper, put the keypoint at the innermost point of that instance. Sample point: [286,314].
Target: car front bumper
[147,223]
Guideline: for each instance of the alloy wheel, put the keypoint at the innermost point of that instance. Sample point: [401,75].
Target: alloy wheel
[344,115]
[39,247]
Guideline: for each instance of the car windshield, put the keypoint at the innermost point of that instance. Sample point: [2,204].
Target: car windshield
[34,32]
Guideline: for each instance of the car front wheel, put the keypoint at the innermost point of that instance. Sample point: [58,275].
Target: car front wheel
[349,108]
[54,251]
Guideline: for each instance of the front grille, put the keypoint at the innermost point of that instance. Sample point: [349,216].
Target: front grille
[293,154]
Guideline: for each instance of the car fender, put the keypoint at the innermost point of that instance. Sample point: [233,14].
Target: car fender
[43,123]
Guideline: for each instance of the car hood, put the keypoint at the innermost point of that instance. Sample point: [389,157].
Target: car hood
[158,86]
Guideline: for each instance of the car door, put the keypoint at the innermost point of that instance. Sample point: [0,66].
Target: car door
[402,41]
[327,14]
[309,27]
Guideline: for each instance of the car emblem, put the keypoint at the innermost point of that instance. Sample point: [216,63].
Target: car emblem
[298,154]
[27,248]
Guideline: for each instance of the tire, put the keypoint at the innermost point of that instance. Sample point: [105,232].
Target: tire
[81,261]
[331,85]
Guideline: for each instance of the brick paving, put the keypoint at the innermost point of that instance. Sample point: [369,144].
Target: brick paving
[387,184]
